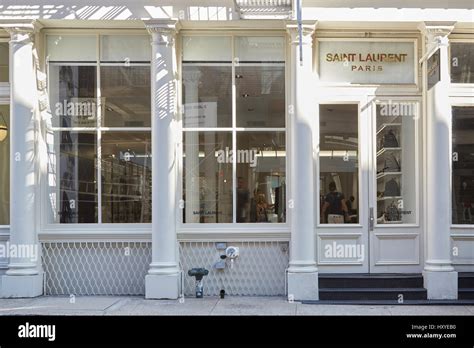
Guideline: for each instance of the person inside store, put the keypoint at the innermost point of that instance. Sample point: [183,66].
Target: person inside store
[334,209]
[243,200]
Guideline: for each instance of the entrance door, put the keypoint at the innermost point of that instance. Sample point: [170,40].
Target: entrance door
[395,186]
[368,186]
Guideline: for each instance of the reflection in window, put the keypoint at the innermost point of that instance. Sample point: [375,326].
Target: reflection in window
[73,95]
[207,165]
[261,181]
[339,163]
[4,165]
[207,95]
[126,177]
[76,173]
[126,94]
[463,165]
[462,62]
[97,173]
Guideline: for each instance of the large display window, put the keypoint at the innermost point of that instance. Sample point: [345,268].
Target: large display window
[99,135]
[463,165]
[234,153]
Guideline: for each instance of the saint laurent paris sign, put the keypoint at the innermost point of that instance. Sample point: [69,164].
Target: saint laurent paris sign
[367,62]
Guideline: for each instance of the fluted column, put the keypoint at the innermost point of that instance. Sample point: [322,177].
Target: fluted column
[440,279]
[302,272]
[24,277]
[163,279]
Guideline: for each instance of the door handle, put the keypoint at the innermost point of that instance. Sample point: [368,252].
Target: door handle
[371,219]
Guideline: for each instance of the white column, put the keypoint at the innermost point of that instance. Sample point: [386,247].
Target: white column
[163,279]
[302,272]
[24,277]
[440,279]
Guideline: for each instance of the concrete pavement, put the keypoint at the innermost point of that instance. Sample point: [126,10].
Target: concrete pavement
[108,305]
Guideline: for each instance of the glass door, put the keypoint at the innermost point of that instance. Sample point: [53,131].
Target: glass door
[394,228]
[342,170]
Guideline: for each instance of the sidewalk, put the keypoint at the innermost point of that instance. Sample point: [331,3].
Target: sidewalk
[105,305]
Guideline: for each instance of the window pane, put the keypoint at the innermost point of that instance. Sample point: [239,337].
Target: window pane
[71,48]
[207,49]
[4,165]
[76,173]
[462,62]
[396,162]
[260,49]
[339,163]
[260,95]
[207,166]
[4,59]
[72,92]
[207,95]
[126,177]
[126,94]
[261,179]
[463,165]
[125,48]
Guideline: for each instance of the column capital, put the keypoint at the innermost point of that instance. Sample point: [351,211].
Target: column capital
[436,32]
[308,29]
[163,31]
[20,30]
[191,76]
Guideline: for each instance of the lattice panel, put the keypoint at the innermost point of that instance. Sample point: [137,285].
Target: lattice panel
[258,271]
[119,268]
[99,268]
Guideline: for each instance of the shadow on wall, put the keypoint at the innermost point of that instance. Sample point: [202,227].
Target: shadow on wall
[116,10]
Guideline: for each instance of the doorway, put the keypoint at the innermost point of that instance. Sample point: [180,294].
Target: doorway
[368,186]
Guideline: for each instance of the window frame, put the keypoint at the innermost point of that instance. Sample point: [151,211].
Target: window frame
[5,100]
[6,84]
[52,228]
[250,228]
[458,39]
[456,102]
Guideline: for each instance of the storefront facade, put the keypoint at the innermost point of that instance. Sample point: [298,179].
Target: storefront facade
[342,145]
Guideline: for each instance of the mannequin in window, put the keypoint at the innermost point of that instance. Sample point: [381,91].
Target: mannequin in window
[334,209]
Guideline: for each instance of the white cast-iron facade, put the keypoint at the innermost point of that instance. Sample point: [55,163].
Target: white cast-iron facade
[143,140]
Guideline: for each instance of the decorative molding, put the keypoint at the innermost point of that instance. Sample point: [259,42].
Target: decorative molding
[260,9]
[308,29]
[436,34]
[163,32]
[21,31]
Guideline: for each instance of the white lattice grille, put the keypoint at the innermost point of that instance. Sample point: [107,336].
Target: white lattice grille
[119,268]
[98,268]
[258,271]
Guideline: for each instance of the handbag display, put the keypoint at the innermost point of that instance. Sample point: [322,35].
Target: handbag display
[392,189]
[390,139]
[392,213]
[391,164]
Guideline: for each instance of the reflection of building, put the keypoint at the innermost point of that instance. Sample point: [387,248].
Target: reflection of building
[358,112]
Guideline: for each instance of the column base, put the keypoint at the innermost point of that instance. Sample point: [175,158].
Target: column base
[21,286]
[303,286]
[162,286]
[441,285]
